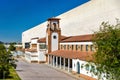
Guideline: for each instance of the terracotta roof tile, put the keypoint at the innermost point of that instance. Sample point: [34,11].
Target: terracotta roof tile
[43,40]
[73,54]
[79,38]
[53,18]
[63,37]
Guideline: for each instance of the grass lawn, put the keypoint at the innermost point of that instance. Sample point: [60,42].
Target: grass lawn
[13,75]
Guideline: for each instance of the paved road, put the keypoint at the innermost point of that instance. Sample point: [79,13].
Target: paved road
[32,71]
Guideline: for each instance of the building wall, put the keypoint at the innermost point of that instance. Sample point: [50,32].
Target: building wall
[73,45]
[54,42]
[82,67]
[34,41]
[85,71]
[83,19]
[41,56]
[31,56]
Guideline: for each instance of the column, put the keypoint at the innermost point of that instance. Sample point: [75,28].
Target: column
[60,62]
[64,64]
[56,61]
[68,65]
[48,59]
[53,61]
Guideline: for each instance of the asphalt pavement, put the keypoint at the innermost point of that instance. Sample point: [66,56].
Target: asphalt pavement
[34,71]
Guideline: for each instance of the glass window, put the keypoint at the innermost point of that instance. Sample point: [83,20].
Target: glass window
[76,47]
[86,47]
[27,45]
[72,47]
[68,47]
[81,48]
[64,47]
[42,46]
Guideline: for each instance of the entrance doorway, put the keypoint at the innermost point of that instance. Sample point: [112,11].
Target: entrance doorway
[78,67]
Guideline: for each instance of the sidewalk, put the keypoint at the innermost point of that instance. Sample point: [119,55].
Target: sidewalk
[33,71]
[75,75]
[68,73]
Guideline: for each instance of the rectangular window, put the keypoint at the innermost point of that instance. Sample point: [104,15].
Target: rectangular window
[76,47]
[27,45]
[64,47]
[72,47]
[81,47]
[68,47]
[42,46]
[86,47]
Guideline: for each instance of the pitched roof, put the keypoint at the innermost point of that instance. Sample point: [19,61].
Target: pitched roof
[86,56]
[42,40]
[53,18]
[79,38]
[63,37]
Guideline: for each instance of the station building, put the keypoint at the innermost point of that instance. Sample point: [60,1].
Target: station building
[69,53]
[65,41]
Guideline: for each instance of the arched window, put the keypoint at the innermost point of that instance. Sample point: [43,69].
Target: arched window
[76,47]
[72,47]
[68,47]
[54,25]
[64,47]
[81,47]
[87,47]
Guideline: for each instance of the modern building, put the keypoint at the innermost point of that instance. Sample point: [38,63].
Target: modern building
[65,41]
[70,53]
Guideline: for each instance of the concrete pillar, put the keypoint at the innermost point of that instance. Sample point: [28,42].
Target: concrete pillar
[56,61]
[48,59]
[53,61]
[60,62]
[68,65]
[64,64]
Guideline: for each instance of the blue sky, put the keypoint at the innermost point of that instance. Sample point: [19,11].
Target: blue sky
[17,16]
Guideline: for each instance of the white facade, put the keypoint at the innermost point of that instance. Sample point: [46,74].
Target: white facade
[54,41]
[34,41]
[83,19]
[42,56]
[39,55]
[77,43]
[82,67]
[31,56]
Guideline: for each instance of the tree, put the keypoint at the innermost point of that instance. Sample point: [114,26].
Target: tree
[1,42]
[12,47]
[6,61]
[107,55]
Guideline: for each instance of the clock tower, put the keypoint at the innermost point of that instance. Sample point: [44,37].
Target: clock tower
[53,34]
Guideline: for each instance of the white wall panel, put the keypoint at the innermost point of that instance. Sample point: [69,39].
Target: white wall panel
[84,19]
